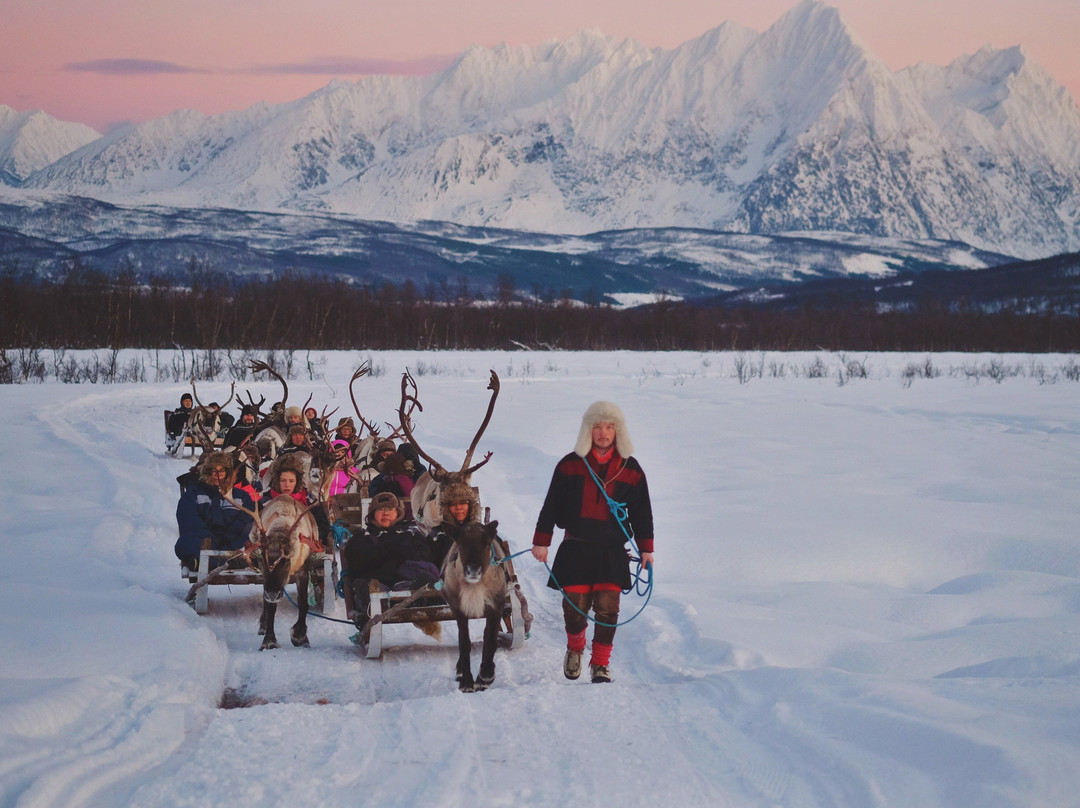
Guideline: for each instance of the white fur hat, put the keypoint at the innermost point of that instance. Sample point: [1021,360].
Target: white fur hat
[604,412]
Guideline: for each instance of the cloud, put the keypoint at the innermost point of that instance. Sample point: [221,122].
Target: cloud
[130,67]
[349,66]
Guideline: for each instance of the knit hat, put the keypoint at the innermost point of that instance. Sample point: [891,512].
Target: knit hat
[604,412]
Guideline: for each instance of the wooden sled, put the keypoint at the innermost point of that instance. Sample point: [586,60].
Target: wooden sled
[418,606]
[186,440]
[323,578]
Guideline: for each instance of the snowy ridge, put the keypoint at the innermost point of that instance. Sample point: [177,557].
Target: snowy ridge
[799,127]
[44,231]
[30,141]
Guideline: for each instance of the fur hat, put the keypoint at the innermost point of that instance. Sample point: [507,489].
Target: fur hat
[393,465]
[297,429]
[346,422]
[458,492]
[296,462]
[384,445]
[384,500]
[214,460]
[604,412]
[293,411]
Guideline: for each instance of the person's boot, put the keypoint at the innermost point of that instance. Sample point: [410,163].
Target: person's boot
[571,666]
[598,665]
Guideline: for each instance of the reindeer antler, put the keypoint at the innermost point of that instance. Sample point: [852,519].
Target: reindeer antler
[324,419]
[251,402]
[257,366]
[232,393]
[493,386]
[363,370]
[439,473]
[407,383]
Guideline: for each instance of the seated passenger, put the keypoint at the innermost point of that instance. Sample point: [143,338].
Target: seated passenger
[315,426]
[459,505]
[297,441]
[179,418]
[414,467]
[243,430]
[294,416]
[389,549]
[286,478]
[207,511]
[345,476]
[346,431]
[392,477]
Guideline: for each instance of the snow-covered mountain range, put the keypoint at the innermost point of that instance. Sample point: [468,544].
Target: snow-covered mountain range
[797,128]
[30,141]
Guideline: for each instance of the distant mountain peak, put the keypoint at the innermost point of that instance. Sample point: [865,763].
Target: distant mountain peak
[799,127]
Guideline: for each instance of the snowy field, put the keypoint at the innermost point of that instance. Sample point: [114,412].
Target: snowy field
[867,594]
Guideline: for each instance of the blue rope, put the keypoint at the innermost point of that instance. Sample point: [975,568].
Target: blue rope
[285,592]
[341,533]
[622,515]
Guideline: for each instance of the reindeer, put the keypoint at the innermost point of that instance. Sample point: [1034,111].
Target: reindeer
[427,487]
[475,585]
[287,536]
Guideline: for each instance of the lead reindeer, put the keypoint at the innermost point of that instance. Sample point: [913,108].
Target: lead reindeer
[286,534]
[474,585]
[474,582]
[426,490]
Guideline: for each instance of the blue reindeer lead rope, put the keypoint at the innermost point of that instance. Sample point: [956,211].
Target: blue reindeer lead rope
[622,515]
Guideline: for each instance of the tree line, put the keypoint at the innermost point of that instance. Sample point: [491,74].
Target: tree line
[84,308]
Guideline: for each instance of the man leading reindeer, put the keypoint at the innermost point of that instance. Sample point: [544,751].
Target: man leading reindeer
[592,564]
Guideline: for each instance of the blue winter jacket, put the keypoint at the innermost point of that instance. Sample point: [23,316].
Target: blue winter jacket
[202,512]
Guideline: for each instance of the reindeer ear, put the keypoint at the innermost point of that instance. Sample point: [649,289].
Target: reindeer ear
[492,527]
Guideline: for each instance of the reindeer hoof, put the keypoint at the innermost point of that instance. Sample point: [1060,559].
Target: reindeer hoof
[484,682]
[467,686]
[268,644]
[300,642]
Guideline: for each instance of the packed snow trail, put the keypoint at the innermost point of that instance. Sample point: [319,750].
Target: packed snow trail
[858,602]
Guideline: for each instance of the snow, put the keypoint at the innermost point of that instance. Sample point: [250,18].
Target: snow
[867,594]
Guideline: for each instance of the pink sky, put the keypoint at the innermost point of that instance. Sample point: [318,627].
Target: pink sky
[108,61]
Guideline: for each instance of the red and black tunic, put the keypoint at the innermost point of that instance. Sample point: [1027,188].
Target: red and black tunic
[593,550]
